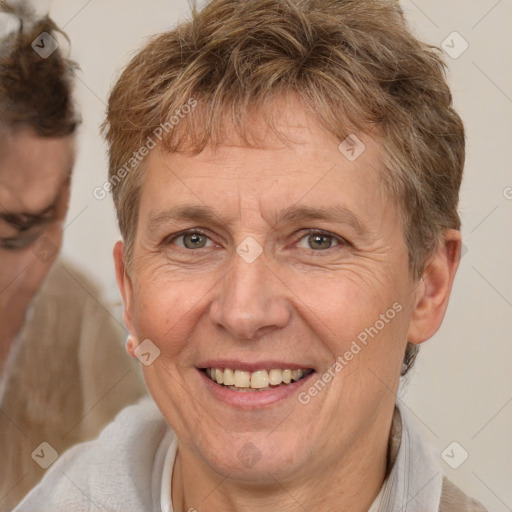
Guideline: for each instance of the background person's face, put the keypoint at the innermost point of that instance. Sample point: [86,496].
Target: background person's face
[301,302]
[34,191]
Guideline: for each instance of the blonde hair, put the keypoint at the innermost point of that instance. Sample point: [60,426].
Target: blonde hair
[354,63]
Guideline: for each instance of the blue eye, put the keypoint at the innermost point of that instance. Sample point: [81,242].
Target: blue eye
[318,241]
[193,240]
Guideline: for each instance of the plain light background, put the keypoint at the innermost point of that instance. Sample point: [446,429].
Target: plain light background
[461,387]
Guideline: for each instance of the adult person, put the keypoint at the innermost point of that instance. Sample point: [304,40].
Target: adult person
[63,373]
[287,245]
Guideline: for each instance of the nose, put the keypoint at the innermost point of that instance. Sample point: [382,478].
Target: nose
[252,301]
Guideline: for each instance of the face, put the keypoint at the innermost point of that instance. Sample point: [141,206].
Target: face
[254,262]
[35,177]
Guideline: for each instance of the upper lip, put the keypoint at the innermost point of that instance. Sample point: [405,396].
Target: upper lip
[252,366]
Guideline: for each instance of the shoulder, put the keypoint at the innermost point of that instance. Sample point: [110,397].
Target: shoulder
[67,280]
[68,295]
[70,315]
[113,472]
[454,500]
[422,459]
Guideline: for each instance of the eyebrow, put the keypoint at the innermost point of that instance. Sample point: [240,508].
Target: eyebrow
[25,220]
[338,213]
[181,213]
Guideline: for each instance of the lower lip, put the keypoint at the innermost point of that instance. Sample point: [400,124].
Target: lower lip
[253,399]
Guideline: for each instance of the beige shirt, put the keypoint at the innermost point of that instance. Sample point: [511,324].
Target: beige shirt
[67,377]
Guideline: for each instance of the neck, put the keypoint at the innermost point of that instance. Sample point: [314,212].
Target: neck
[350,484]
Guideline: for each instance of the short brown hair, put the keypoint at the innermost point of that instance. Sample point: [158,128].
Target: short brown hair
[35,92]
[353,62]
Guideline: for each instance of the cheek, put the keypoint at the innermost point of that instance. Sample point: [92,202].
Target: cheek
[167,310]
[28,271]
[363,325]
[12,266]
[341,303]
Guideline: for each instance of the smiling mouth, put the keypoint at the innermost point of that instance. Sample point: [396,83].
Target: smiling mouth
[260,380]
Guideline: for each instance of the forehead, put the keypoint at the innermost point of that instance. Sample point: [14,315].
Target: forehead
[302,162]
[32,169]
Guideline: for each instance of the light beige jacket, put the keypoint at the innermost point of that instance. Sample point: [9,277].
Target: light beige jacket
[129,469]
[454,500]
[66,378]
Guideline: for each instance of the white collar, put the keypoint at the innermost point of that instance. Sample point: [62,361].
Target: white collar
[168,466]
[415,481]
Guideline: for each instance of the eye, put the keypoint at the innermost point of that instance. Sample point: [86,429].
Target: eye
[13,244]
[318,241]
[192,240]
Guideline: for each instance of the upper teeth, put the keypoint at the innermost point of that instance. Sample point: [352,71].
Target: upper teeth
[259,379]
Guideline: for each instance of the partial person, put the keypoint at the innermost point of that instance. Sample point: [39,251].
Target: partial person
[63,370]
[289,240]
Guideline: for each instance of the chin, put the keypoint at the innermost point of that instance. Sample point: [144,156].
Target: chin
[254,458]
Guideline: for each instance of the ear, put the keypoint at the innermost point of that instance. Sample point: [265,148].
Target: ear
[433,291]
[124,284]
